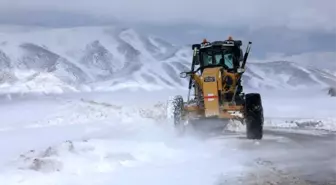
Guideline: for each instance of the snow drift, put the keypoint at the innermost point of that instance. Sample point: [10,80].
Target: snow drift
[75,138]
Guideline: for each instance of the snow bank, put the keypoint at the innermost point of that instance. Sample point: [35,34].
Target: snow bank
[311,109]
[108,143]
[124,138]
[327,124]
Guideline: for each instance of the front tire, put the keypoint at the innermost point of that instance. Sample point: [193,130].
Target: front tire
[177,115]
[254,117]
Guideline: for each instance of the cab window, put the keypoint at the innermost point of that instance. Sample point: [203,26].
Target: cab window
[207,59]
[212,58]
[228,60]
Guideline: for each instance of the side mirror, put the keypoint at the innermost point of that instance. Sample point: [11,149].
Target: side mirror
[183,75]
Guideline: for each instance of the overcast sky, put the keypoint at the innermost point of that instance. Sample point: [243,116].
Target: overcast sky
[296,14]
[275,26]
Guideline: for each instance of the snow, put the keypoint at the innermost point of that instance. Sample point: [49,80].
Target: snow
[111,144]
[71,44]
[41,83]
[101,58]
[124,137]
[299,109]
[118,130]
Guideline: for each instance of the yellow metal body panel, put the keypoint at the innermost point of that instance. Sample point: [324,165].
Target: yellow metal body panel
[210,92]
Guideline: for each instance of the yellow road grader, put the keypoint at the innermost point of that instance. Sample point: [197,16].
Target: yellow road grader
[217,89]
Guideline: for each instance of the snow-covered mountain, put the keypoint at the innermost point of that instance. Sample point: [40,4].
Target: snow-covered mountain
[109,58]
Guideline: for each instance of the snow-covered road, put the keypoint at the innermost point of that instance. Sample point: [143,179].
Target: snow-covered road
[104,139]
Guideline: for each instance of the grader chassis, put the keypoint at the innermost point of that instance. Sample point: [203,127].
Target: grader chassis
[218,93]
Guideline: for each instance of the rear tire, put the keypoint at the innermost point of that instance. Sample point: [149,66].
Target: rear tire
[177,114]
[254,116]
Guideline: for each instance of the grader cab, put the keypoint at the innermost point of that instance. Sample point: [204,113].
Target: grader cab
[217,89]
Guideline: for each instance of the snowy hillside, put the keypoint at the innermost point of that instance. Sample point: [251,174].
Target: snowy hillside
[109,58]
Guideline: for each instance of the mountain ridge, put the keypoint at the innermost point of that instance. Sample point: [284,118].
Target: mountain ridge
[110,58]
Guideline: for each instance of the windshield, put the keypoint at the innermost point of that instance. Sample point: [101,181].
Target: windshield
[212,57]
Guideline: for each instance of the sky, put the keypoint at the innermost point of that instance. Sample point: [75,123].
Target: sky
[285,26]
[297,14]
